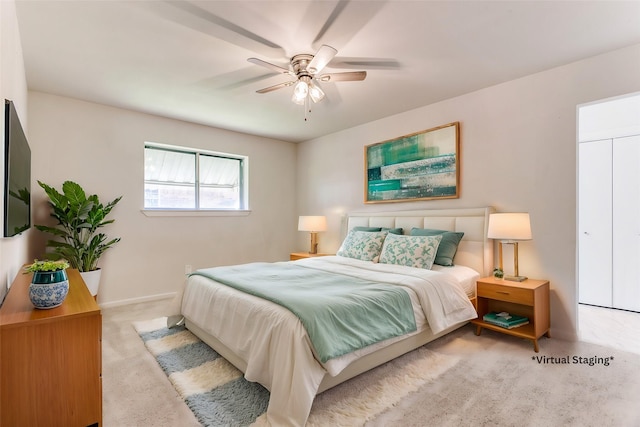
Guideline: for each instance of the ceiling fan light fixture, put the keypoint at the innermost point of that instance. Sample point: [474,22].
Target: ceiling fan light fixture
[306,68]
[315,93]
[300,92]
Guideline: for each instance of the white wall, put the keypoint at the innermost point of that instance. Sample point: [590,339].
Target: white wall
[102,149]
[518,148]
[14,251]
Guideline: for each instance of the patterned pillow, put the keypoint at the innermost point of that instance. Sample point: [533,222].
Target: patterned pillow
[412,251]
[448,245]
[364,245]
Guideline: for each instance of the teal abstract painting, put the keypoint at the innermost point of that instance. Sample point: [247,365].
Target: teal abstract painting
[419,166]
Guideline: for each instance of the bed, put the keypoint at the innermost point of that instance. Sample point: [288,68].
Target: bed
[271,345]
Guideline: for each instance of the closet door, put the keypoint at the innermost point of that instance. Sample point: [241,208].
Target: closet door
[626,223]
[594,222]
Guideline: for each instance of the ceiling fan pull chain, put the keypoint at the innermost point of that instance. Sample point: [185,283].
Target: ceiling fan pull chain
[306,107]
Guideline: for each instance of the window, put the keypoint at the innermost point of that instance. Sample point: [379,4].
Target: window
[189,179]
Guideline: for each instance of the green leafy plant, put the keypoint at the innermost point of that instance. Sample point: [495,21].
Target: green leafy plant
[79,218]
[499,274]
[47,265]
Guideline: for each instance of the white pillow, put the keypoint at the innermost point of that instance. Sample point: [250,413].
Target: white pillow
[412,251]
[363,245]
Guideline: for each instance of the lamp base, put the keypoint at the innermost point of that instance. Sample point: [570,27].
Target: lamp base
[515,278]
[314,243]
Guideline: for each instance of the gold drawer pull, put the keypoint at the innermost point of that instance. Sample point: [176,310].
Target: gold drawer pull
[502,292]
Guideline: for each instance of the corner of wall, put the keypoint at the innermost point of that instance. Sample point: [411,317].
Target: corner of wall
[13,85]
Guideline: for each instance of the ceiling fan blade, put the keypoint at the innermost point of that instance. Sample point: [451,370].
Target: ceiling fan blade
[371,63]
[324,55]
[335,14]
[343,22]
[276,87]
[350,76]
[232,80]
[272,67]
[200,17]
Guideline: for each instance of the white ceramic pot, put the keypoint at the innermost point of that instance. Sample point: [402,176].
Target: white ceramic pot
[92,280]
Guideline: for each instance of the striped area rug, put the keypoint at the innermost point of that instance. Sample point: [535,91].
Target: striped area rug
[218,394]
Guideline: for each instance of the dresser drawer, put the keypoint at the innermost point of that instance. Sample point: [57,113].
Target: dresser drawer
[505,293]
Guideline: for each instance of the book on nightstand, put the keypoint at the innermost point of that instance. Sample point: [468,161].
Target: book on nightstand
[505,320]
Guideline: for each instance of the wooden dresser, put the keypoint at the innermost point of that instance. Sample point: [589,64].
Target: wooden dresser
[50,360]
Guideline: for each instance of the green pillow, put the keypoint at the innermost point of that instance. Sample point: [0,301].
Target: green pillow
[390,230]
[397,231]
[361,228]
[448,245]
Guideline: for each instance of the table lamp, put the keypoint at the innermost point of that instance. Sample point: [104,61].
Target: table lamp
[510,228]
[312,224]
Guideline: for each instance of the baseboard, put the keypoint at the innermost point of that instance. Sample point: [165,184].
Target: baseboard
[563,334]
[137,300]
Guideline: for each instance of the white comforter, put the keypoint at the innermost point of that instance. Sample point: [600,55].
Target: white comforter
[274,344]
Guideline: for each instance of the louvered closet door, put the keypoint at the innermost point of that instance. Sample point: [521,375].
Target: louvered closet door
[594,223]
[626,223]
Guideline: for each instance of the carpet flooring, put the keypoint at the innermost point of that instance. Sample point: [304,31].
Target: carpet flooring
[218,394]
[497,381]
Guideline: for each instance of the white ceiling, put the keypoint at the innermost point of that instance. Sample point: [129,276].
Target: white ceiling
[188,60]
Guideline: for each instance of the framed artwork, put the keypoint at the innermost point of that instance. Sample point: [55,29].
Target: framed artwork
[420,166]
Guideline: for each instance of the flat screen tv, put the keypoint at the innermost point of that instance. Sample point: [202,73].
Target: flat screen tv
[17,174]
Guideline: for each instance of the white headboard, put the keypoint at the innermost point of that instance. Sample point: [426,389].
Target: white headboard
[475,249]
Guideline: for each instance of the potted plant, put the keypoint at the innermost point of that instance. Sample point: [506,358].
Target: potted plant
[78,237]
[49,284]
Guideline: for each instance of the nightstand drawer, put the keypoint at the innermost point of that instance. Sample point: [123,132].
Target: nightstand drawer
[505,293]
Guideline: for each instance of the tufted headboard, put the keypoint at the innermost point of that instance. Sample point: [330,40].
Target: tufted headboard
[475,249]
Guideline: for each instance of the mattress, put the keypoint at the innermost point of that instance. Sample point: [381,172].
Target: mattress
[467,277]
[275,347]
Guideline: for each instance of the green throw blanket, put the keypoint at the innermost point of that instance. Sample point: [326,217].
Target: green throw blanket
[340,313]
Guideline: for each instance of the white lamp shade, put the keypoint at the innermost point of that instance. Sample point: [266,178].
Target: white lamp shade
[312,223]
[509,226]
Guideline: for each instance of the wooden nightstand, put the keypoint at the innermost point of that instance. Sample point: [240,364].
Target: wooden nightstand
[529,298]
[299,255]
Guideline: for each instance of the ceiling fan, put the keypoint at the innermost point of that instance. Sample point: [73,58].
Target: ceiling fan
[305,69]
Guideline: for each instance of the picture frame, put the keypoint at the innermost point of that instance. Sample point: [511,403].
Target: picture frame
[420,166]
